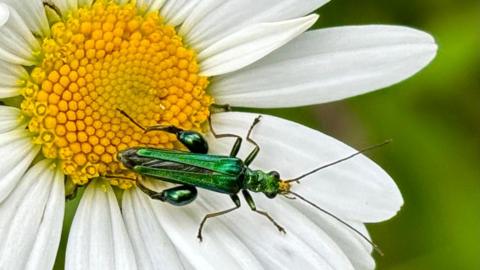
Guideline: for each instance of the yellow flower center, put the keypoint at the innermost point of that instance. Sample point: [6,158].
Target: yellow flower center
[100,59]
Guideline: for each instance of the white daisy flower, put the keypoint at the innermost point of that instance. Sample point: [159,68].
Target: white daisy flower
[66,66]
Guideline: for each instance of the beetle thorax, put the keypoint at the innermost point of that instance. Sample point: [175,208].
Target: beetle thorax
[260,181]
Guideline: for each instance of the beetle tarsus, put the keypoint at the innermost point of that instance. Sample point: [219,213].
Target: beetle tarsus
[256,150]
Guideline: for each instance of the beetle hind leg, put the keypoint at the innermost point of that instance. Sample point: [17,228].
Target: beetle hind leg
[192,140]
[178,196]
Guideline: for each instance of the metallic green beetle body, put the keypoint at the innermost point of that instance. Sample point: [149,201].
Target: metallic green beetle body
[222,174]
[197,169]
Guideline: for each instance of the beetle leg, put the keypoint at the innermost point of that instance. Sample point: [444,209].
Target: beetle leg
[192,140]
[150,193]
[252,205]
[121,176]
[238,139]
[255,151]
[235,200]
[178,196]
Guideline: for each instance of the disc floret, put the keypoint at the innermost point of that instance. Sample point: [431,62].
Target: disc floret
[105,57]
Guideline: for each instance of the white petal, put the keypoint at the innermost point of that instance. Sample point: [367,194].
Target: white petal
[33,12]
[176,11]
[357,249]
[150,5]
[85,3]
[17,44]
[17,152]
[221,248]
[98,238]
[213,20]
[66,6]
[45,249]
[356,189]
[153,248]
[250,44]
[327,65]
[10,119]
[12,79]
[32,218]
[304,246]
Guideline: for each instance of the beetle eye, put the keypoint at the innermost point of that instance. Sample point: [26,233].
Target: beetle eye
[275,174]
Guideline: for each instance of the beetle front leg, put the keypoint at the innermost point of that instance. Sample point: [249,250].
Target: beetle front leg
[178,196]
[236,201]
[255,151]
[252,205]
[238,139]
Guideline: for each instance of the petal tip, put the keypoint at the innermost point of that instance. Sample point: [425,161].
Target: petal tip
[4,13]
[396,205]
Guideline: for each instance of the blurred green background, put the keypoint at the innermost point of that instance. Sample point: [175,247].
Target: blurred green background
[434,120]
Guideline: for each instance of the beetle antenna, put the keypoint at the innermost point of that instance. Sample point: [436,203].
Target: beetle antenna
[339,161]
[289,197]
[131,119]
[377,249]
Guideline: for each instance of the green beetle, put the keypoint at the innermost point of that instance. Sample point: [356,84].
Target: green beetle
[218,173]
